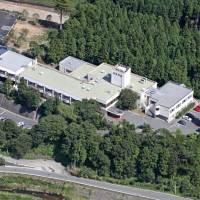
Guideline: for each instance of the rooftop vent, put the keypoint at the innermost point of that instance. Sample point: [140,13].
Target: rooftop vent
[83,87]
[152,91]
[108,91]
[103,71]
[143,80]
[41,73]
[92,83]
[88,89]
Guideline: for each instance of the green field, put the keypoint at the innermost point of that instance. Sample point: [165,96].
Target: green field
[13,196]
[22,185]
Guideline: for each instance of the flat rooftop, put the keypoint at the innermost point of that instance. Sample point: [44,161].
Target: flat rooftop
[82,71]
[7,20]
[12,62]
[76,84]
[138,85]
[169,94]
[104,71]
[72,63]
[100,90]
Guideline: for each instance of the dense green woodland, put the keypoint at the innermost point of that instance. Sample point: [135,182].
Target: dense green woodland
[70,134]
[159,39]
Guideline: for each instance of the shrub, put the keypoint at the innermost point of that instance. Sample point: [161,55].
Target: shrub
[2,161]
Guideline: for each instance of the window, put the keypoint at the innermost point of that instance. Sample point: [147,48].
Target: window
[184,101]
[178,105]
[172,110]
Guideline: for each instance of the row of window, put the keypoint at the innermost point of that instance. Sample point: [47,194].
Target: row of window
[183,101]
[50,91]
[115,73]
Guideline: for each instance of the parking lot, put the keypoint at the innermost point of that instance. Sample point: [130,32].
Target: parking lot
[28,123]
[156,123]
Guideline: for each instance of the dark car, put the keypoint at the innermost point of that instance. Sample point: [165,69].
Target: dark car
[182,122]
[190,115]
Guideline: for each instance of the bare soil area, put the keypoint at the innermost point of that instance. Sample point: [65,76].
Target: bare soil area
[42,11]
[33,33]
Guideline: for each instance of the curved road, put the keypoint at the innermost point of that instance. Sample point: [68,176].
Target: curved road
[146,194]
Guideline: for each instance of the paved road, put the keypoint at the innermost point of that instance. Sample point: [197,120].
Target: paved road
[146,194]
[17,118]
[157,123]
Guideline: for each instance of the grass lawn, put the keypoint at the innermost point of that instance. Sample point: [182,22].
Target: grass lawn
[13,196]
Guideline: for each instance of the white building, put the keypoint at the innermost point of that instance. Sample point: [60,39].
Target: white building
[121,76]
[71,64]
[167,101]
[85,81]
[77,80]
[13,64]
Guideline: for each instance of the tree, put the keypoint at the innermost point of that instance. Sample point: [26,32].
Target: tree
[7,87]
[48,130]
[36,50]
[49,107]
[2,162]
[24,15]
[62,7]
[66,111]
[89,110]
[36,17]
[21,145]
[26,96]
[49,17]
[127,100]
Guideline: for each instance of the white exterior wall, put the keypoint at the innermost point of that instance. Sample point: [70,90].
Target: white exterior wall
[170,113]
[126,78]
[121,79]
[62,68]
[180,106]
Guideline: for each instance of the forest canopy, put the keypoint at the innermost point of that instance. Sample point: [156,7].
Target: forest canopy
[157,39]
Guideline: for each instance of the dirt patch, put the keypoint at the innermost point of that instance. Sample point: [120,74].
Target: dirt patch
[42,11]
[33,33]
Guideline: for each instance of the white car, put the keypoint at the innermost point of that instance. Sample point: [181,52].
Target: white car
[187,118]
[20,124]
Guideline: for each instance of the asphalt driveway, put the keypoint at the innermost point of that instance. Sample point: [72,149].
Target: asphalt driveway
[157,123]
[28,123]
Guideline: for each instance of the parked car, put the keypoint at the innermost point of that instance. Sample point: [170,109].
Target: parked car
[182,122]
[187,118]
[190,115]
[197,108]
[20,124]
